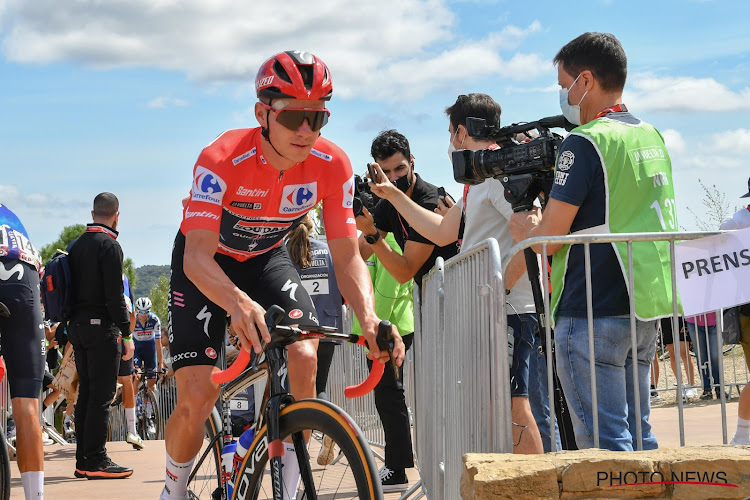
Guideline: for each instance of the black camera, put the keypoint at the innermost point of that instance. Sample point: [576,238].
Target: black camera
[363,196]
[524,168]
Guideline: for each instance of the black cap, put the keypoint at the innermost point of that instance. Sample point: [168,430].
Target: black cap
[747,195]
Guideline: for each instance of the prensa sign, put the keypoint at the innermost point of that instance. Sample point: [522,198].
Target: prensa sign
[713,272]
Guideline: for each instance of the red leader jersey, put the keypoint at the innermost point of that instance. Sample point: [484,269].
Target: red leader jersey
[237,194]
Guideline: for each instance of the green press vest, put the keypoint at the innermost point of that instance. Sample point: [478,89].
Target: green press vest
[639,199]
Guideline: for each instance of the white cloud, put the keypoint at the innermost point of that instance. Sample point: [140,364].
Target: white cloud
[376,50]
[684,94]
[164,102]
[674,141]
[737,141]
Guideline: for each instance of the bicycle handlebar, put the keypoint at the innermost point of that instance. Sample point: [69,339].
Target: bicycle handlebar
[284,335]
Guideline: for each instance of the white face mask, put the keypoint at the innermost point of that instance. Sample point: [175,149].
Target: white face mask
[451,147]
[571,112]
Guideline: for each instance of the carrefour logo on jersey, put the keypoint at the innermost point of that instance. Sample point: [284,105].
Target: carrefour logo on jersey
[348,187]
[298,197]
[207,186]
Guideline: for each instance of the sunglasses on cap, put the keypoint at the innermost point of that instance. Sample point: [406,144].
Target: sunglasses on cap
[293,118]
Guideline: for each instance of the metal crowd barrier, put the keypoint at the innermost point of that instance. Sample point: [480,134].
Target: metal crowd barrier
[630,239]
[166,400]
[349,367]
[461,367]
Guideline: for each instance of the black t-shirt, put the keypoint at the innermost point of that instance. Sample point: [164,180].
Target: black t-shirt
[388,219]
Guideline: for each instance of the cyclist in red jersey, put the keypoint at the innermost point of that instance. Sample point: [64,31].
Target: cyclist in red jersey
[250,188]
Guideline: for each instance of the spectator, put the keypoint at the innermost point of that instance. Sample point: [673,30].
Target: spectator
[99,322]
[22,327]
[741,220]
[394,160]
[702,331]
[600,188]
[394,302]
[485,213]
[668,340]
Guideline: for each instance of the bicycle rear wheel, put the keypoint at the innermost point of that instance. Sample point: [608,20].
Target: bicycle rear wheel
[352,475]
[4,468]
[205,478]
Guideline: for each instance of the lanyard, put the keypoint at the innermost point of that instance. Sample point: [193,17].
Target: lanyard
[101,229]
[614,109]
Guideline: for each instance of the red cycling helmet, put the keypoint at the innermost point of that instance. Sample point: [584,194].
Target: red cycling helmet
[294,74]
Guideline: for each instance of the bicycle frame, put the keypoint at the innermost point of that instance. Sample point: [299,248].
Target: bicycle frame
[240,376]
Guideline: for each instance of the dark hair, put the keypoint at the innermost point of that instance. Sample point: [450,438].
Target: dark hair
[298,243]
[388,143]
[106,205]
[474,106]
[600,53]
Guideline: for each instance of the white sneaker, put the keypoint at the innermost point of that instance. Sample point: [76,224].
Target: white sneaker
[46,439]
[691,393]
[325,456]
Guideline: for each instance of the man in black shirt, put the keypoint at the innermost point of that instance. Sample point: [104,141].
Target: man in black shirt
[393,157]
[99,320]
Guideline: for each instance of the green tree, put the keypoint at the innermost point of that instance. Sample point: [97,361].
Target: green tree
[68,234]
[160,299]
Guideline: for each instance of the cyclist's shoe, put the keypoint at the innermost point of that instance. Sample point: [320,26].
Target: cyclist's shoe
[325,456]
[46,440]
[135,440]
[393,480]
[108,470]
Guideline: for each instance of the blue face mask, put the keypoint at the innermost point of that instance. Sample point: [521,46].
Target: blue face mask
[571,112]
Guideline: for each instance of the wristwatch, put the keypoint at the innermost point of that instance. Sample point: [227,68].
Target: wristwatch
[372,238]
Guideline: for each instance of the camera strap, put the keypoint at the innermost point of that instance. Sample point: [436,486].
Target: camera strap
[617,108]
[462,224]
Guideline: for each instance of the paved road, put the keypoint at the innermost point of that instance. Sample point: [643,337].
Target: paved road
[702,426]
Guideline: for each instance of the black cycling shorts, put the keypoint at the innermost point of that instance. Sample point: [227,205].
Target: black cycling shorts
[197,326]
[22,334]
[126,367]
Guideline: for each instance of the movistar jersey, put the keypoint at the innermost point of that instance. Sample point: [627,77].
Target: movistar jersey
[237,194]
[617,171]
[148,331]
[14,240]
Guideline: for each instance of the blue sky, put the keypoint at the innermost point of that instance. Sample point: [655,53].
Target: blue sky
[122,95]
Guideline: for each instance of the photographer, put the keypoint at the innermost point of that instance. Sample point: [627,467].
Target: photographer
[485,214]
[390,150]
[613,175]
[393,158]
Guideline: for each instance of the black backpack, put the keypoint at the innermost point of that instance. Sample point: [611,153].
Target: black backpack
[56,285]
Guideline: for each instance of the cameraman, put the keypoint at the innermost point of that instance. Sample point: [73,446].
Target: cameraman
[485,214]
[390,150]
[613,175]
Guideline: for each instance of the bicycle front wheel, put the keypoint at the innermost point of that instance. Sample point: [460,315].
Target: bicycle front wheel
[351,474]
[205,479]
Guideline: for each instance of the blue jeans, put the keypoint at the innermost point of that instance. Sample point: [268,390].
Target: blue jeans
[539,395]
[524,330]
[614,379]
[706,353]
